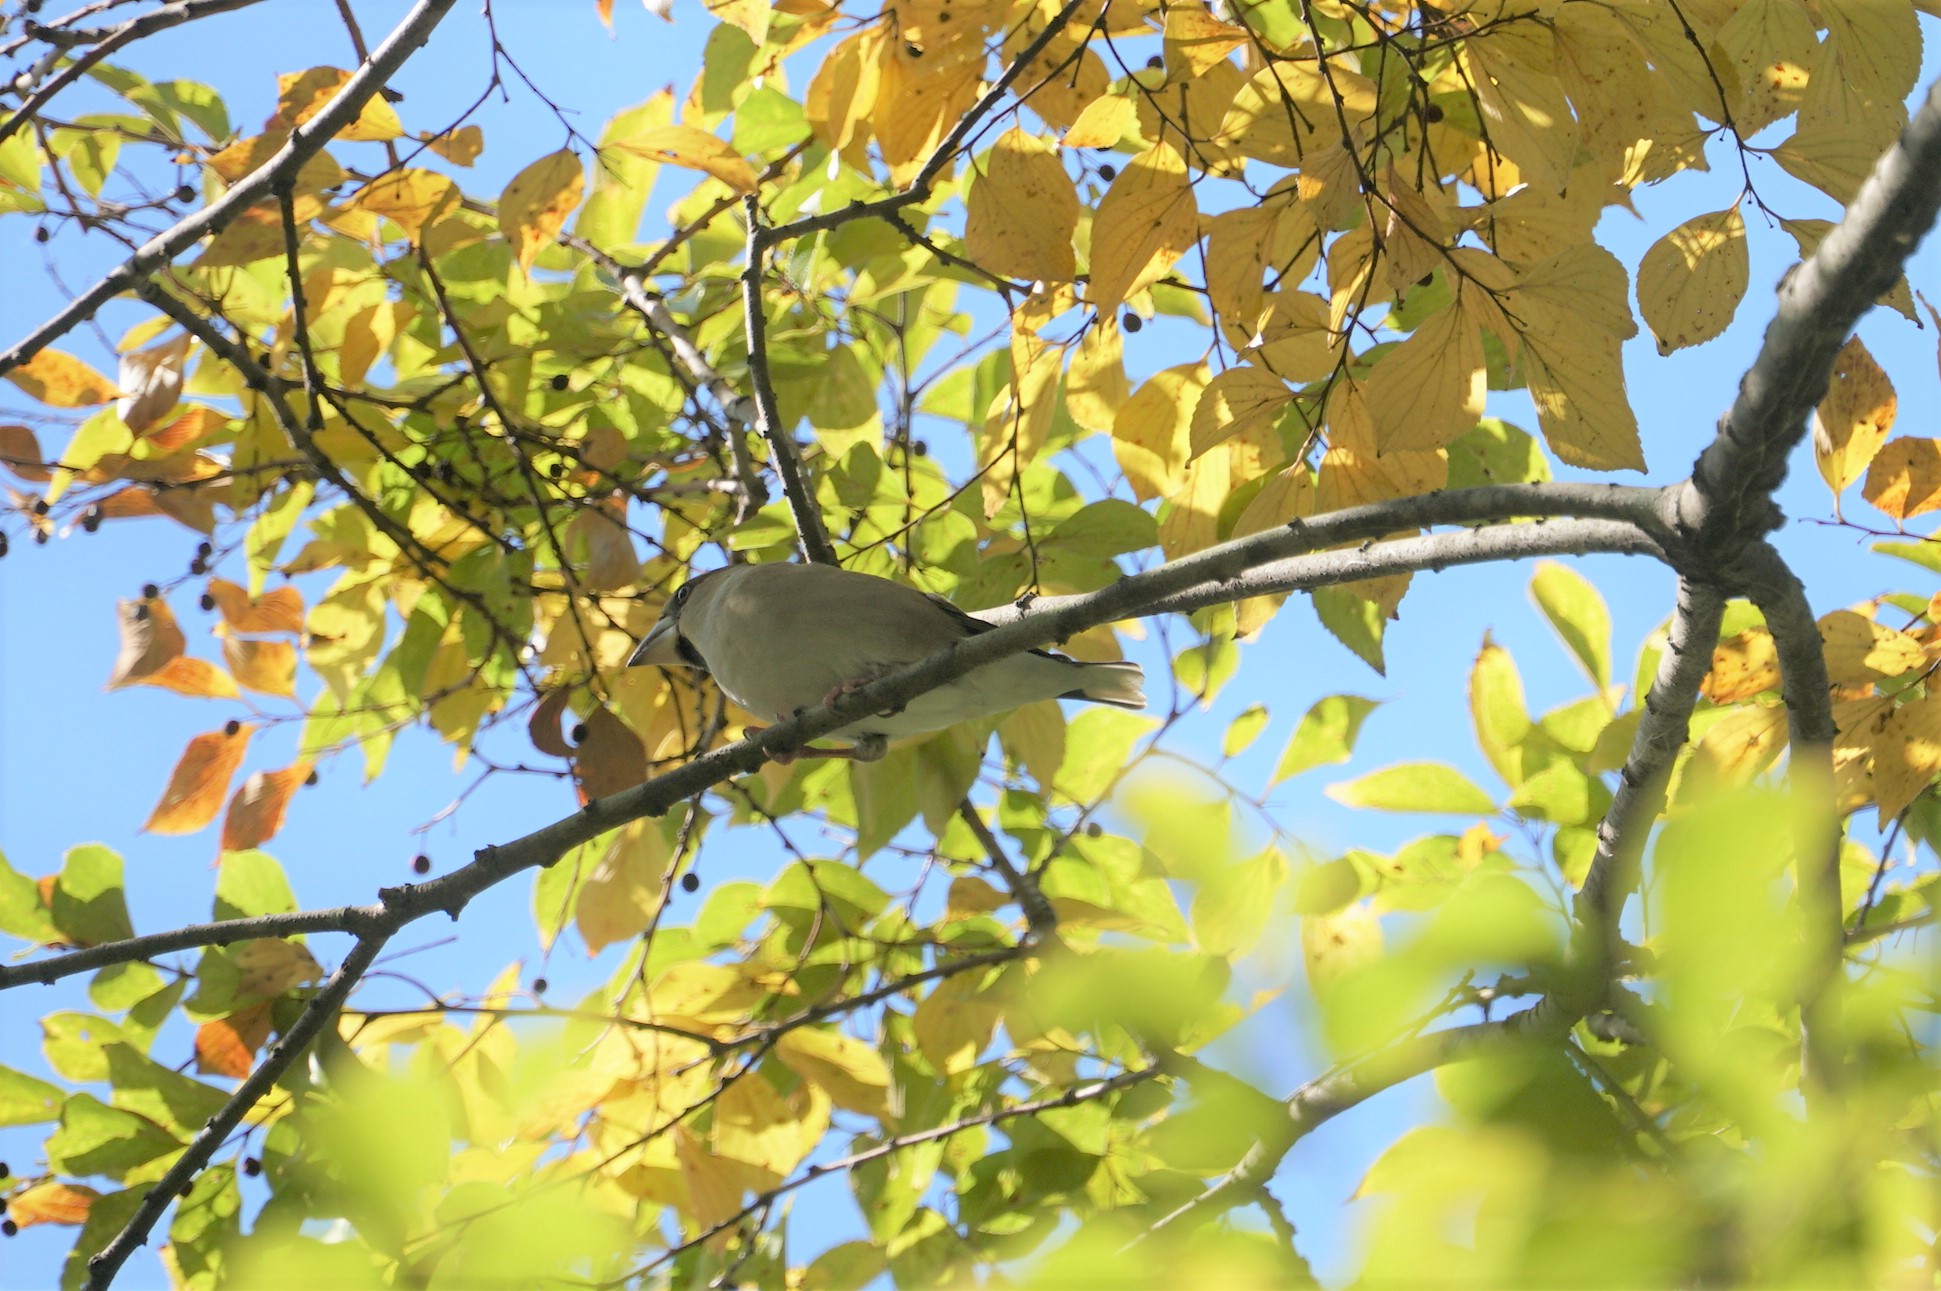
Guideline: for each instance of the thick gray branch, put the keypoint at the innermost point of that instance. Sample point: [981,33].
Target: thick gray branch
[304,142]
[1728,499]
[225,932]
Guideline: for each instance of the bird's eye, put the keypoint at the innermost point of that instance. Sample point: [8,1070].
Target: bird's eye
[680,594]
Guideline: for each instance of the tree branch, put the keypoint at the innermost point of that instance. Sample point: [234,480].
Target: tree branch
[1728,498]
[225,932]
[304,142]
[811,536]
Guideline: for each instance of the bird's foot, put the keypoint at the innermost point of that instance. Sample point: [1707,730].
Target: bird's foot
[846,688]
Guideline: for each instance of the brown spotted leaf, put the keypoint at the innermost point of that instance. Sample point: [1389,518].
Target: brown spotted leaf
[534,206]
[610,758]
[1905,477]
[60,380]
[256,812]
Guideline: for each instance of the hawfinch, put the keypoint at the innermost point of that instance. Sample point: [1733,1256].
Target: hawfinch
[781,638]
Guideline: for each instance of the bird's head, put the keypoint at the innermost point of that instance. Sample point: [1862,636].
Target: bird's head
[666,643]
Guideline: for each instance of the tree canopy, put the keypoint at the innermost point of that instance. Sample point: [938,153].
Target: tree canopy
[1001,1004]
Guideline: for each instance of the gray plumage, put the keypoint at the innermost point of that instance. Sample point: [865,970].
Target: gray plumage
[781,638]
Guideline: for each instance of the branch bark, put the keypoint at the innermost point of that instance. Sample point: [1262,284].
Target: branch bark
[261,184]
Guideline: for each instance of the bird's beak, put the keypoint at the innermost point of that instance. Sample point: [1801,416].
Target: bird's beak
[660,646]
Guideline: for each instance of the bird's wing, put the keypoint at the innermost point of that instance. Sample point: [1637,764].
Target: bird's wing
[973,626]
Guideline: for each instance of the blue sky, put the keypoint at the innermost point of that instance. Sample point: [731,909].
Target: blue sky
[78,764]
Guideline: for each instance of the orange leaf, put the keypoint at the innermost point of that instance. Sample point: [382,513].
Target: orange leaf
[62,381]
[199,781]
[696,150]
[256,812]
[51,1203]
[1905,478]
[543,726]
[196,678]
[268,667]
[226,1046]
[277,611]
[196,422]
[534,206]
[149,639]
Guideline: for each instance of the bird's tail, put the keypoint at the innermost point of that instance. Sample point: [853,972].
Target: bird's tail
[1120,684]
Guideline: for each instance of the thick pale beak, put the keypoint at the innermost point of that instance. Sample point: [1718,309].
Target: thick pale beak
[660,646]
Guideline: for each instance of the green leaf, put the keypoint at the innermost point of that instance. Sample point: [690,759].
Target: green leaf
[1098,747]
[1496,708]
[886,799]
[768,119]
[622,177]
[1560,794]
[1415,786]
[1234,902]
[1495,452]
[1243,730]
[95,1138]
[727,913]
[251,883]
[1578,615]
[1327,733]
[22,913]
[818,886]
[150,1090]
[1354,622]
[89,905]
[1573,849]
[1110,527]
[122,986]
[27,1101]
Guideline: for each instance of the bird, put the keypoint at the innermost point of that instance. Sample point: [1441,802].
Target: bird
[781,638]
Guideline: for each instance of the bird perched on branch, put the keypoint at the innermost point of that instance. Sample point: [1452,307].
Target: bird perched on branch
[783,638]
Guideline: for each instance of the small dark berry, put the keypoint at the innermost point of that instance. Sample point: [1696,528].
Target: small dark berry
[560,381]
[1108,172]
[912,50]
[1155,62]
[205,550]
[556,470]
[92,519]
[150,591]
[690,882]
[310,779]
[40,537]
[539,986]
[208,601]
[1093,829]
[41,234]
[421,864]
[40,506]
[252,1167]
[231,727]
[197,567]
[1132,322]
[920,449]
[3,544]
[4,1171]
[186,193]
[579,732]
[1432,113]
[8,1227]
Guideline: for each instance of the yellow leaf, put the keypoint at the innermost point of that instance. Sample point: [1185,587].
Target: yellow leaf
[1102,124]
[1775,50]
[1740,745]
[756,1124]
[1907,754]
[704,994]
[1294,341]
[1286,496]
[969,897]
[1875,45]
[51,1203]
[688,147]
[843,93]
[1195,39]
[1285,115]
[1905,477]
[1150,436]
[1353,472]
[1852,422]
[1095,385]
[1066,76]
[200,779]
[271,966]
[256,234]
[852,1073]
[1022,212]
[1692,279]
[1146,221]
[953,1024]
[931,89]
[60,380]
[1527,119]
[256,812]
[1427,391]
[1237,401]
[1860,651]
[1192,522]
[1742,667]
[461,147]
[302,95]
[534,206]
[621,896]
[411,199]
